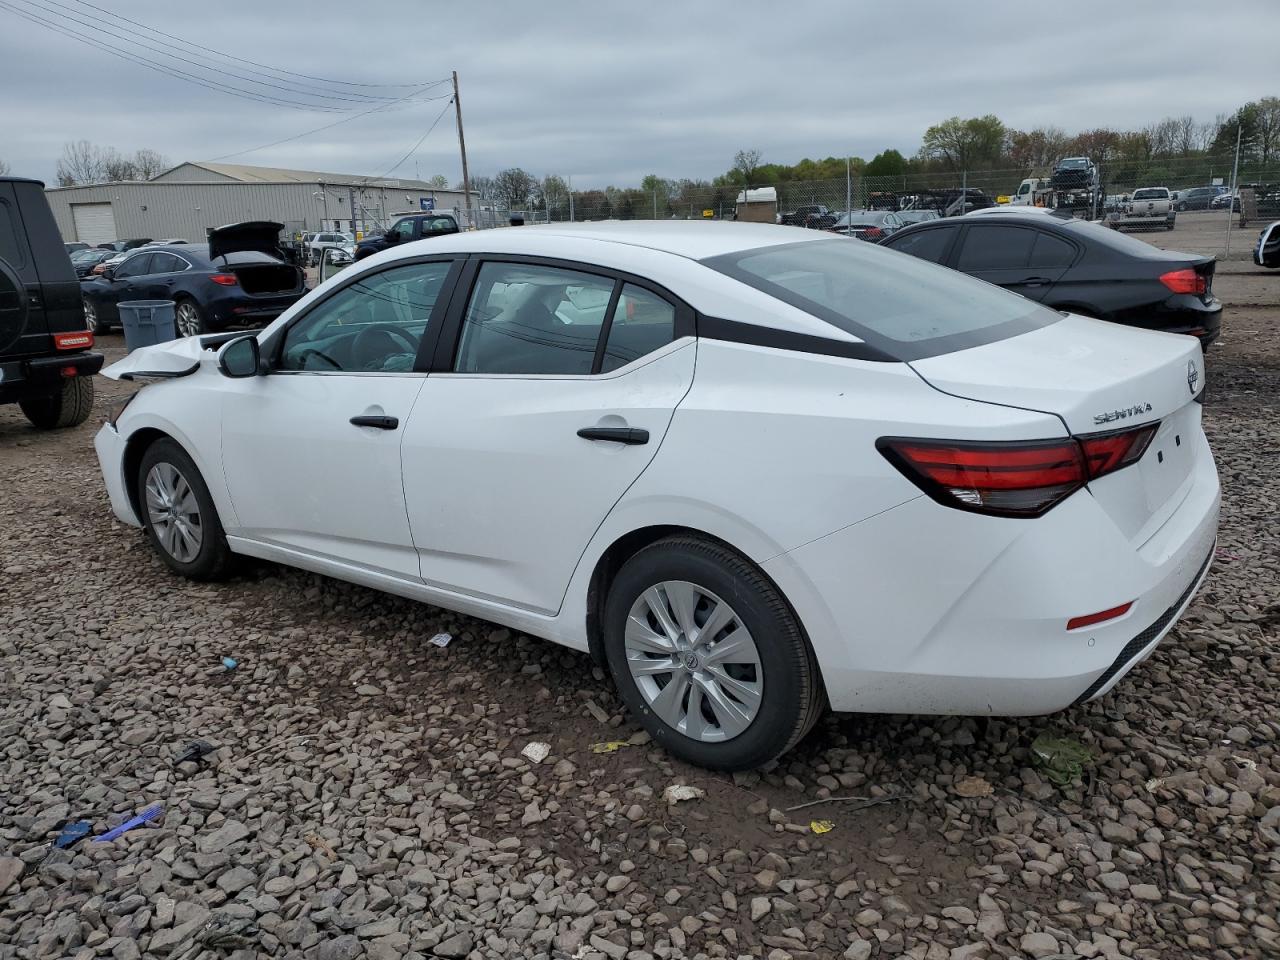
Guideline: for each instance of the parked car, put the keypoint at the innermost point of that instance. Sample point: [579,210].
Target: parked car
[115,258]
[1224,200]
[1148,207]
[83,261]
[46,359]
[236,278]
[165,243]
[1077,266]
[917,216]
[814,215]
[1197,198]
[1267,251]
[75,247]
[122,245]
[320,242]
[1072,173]
[873,225]
[883,486]
[418,226]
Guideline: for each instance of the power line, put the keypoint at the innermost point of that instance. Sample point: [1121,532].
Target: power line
[307,133]
[160,68]
[254,63]
[295,89]
[415,147]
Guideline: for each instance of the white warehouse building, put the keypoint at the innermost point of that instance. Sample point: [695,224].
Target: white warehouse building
[191,198]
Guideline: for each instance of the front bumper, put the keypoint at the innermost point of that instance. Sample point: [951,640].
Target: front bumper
[924,609]
[20,379]
[109,446]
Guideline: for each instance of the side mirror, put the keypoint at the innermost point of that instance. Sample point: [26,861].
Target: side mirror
[391,236]
[108,273]
[240,358]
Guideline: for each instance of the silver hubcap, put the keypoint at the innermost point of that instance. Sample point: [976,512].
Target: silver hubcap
[90,317]
[188,320]
[175,516]
[694,661]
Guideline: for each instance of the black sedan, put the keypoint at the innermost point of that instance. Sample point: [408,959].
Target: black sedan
[416,226]
[238,277]
[85,260]
[1075,266]
[873,225]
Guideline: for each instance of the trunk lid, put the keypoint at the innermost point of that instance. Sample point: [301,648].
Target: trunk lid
[260,235]
[1097,377]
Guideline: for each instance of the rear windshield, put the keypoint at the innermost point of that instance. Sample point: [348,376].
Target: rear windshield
[903,306]
[1099,236]
[1152,193]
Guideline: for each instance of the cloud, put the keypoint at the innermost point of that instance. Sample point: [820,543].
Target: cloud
[607,92]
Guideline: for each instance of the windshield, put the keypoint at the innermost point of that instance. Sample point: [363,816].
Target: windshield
[906,307]
[1074,163]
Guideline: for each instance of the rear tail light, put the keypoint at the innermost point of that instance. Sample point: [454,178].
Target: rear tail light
[1012,479]
[872,233]
[225,279]
[79,340]
[1185,281]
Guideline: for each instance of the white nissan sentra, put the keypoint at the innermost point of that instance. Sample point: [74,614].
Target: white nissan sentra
[756,470]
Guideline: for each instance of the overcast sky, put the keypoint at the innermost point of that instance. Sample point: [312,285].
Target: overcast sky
[607,92]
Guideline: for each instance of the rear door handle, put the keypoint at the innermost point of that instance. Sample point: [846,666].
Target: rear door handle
[381,423]
[630,435]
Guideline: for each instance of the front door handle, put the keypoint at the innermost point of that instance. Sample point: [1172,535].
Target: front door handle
[1035,282]
[381,423]
[630,435]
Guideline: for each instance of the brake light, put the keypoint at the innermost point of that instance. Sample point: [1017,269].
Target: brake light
[1012,479]
[1185,281]
[225,279]
[875,233]
[79,340]
[1107,452]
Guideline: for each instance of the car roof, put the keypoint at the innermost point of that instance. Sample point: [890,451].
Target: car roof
[693,239]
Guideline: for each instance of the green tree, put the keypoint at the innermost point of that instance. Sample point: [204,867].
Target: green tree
[973,144]
[439,181]
[886,163]
[745,164]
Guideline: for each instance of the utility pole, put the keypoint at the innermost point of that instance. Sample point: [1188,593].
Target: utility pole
[462,145]
[1235,178]
[569,181]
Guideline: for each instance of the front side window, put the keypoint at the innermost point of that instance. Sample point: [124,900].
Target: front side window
[531,319]
[642,323]
[403,230]
[902,307]
[134,267]
[928,245]
[374,325]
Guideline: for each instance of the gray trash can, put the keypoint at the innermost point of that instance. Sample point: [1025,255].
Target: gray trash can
[147,322]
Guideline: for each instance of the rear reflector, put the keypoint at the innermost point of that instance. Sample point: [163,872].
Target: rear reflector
[1088,620]
[79,340]
[1012,479]
[1185,281]
[69,371]
[225,279]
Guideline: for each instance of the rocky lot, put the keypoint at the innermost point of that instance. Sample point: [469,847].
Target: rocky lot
[367,793]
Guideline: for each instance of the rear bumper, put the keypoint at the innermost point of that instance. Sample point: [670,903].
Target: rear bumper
[20,379]
[925,609]
[241,308]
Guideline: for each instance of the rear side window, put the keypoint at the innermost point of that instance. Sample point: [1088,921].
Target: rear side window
[903,307]
[1049,251]
[642,322]
[167,263]
[928,245]
[995,247]
[12,248]
[530,319]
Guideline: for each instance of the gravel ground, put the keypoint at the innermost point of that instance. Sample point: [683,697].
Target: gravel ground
[368,795]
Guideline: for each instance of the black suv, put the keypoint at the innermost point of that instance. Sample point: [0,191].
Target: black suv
[45,363]
[417,226]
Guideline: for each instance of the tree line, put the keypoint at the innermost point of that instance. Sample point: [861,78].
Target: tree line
[83,163]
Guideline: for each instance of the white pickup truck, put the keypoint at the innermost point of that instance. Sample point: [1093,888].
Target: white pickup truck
[1148,207]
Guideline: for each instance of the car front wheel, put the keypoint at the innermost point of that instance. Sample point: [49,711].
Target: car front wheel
[708,655]
[178,513]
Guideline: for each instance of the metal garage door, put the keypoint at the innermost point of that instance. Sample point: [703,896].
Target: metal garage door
[95,223]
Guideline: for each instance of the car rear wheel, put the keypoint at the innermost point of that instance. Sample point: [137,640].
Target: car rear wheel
[67,406]
[178,513]
[709,656]
[188,318]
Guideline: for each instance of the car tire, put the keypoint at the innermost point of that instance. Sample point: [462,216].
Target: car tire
[750,709]
[188,318]
[91,321]
[178,514]
[68,406]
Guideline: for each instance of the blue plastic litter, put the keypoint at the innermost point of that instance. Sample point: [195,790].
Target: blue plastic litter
[71,833]
[230,663]
[146,816]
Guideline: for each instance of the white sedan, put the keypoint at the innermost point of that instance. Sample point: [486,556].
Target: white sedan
[755,470]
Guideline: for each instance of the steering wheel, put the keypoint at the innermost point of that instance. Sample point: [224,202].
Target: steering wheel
[312,352]
[371,345]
